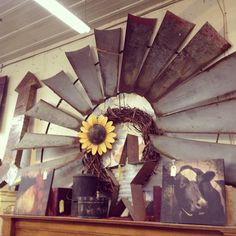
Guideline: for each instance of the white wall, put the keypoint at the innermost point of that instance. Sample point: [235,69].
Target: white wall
[51,62]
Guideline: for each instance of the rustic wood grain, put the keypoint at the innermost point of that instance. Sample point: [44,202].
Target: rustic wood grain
[63,226]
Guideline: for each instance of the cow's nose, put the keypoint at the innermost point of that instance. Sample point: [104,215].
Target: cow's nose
[201,203]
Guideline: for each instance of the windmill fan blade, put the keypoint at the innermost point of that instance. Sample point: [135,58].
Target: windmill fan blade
[138,34]
[215,118]
[108,48]
[64,88]
[195,150]
[173,31]
[45,111]
[31,140]
[205,46]
[63,177]
[216,81]
[56,163]
[83,65]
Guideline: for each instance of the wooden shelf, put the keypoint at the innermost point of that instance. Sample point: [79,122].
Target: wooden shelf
[55,226]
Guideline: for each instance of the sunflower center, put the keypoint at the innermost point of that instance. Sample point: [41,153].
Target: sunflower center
[97,134]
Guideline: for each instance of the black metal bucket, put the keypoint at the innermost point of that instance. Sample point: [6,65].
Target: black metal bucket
[93,207]
[84,185]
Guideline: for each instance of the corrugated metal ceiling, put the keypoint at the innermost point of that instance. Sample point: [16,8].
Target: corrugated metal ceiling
[25,26]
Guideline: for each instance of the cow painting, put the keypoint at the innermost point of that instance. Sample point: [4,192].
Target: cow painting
[194,193]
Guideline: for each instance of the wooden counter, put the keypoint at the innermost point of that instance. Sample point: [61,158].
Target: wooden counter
[62,226]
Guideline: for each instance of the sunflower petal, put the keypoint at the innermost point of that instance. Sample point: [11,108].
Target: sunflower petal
[83,140]
[94,149]
[85,145]
[102,120]
[103,147]
[86,125]
[92,120]
[82,135]
[84,130]
[110,139]
[112,135]
[108,145]
[99,150]
[109,127]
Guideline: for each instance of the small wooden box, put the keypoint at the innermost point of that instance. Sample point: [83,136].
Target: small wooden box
[7,202]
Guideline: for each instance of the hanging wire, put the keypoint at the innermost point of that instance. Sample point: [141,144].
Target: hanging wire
[224,15]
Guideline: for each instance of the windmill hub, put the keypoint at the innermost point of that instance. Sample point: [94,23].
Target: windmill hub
[97,134]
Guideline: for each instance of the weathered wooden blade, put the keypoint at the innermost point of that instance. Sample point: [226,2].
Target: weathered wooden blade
[31,140]
[217,80]
[45,111]
[108,48]
[173,31]
[64,88]
[83,65]
[204,47]
[195,150]
[138,34]
[215,118]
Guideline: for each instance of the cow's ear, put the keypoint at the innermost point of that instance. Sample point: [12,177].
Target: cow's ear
[208,176]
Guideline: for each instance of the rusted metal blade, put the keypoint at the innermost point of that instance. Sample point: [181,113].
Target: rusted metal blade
[204,47]
[83,65]
[64,88]
[45,111]
[108,48]
[183,149]
[216,81]
[63,176]
[173,31]
[32,140]
[66,166]
[216,118]
[3,87]
[138,34]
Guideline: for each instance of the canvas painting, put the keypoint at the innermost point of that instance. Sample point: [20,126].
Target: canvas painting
[193,192]
[33,194]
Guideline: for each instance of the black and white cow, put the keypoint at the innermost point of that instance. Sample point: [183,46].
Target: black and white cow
[196,199]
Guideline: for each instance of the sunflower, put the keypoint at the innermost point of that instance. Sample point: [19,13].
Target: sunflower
[97,134]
